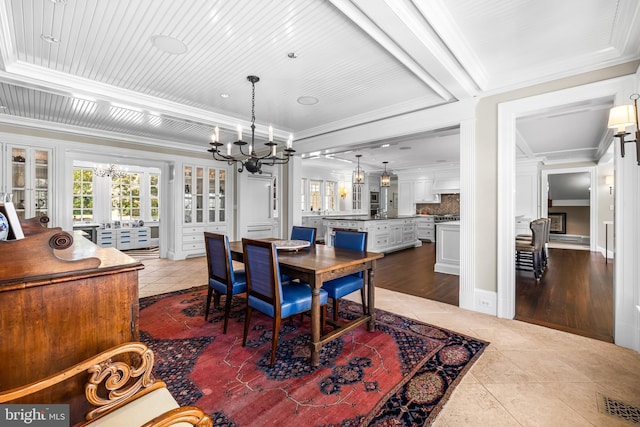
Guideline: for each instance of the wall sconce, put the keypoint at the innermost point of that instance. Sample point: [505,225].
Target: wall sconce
[609,181]
[343,192]
[623,116]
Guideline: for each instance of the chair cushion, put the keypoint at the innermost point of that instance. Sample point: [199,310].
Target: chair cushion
[141,410]
[337,288]
[296,298]
[238,287]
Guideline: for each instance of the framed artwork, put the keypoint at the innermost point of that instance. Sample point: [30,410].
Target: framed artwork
[558,222]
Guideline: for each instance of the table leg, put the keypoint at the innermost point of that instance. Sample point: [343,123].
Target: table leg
[315,325]
[371,324]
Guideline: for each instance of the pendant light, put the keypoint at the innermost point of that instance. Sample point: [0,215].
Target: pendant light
[358,174]
[385,178]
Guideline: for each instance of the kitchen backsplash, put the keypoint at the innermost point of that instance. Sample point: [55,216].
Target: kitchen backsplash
[449,204]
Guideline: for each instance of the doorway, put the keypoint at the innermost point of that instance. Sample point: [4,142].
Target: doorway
[508,114]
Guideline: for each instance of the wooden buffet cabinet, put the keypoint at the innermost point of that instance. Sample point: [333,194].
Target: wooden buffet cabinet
[61,306]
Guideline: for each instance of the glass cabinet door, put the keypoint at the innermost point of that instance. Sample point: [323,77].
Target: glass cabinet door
[19,180]
[41,183]
[204,195]
[199,195]
[222,182]
[187,207]
[30,178]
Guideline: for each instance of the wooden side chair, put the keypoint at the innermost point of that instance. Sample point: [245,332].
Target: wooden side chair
[529,253]
[342,286]
[223,280]
[266,294]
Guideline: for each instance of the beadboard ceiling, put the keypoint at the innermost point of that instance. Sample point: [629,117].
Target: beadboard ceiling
[363,60]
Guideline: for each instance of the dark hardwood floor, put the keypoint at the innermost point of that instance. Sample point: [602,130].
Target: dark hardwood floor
[411,271]
[574,295]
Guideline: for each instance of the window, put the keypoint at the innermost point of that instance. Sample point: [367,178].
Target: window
[125,198]
[154,197]
[315,197]
[83,194]
[330,195]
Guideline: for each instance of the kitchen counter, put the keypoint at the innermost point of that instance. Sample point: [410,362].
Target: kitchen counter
[448,247]
[384,234]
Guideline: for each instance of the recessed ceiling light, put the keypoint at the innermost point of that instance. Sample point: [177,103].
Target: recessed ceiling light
[58,1]
[385,145]
[307,100]
[224,95]
[292,55]
[49,38]
[169,44]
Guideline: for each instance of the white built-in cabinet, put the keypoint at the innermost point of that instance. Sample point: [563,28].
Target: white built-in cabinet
[204,206]
[423,192]
[29,179]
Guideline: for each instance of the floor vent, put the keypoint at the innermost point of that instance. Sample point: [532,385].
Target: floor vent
[620,409]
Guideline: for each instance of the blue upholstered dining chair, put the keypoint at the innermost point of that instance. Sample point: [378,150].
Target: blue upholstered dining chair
[266,294]
[301,233]
[304,233]
[223,280]
[342,286]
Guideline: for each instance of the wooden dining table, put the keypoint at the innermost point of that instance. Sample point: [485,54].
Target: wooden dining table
[317,264]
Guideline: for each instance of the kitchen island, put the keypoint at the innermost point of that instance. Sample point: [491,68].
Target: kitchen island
[448,248]
[384,234]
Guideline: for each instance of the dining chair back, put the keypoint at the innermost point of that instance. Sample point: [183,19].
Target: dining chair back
[223,279]
[266,294]
[342,286]
[304,233]
[530,254]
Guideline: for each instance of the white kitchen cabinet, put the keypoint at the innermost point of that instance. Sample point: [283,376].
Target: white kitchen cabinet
[423,192]
[448,248]
[406,198]
[425,227]
[30,180]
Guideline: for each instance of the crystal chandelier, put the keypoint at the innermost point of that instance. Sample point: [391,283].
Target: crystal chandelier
[250,160]
[110,171]
[358,174]
[385,178]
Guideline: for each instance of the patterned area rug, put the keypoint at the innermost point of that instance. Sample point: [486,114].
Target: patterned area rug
[399,375]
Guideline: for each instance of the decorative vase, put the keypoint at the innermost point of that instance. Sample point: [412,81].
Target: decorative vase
[4,227]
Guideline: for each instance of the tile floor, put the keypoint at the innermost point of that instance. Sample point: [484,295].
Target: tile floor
[528,376]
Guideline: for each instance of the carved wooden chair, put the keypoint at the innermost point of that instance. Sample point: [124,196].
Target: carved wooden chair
[121,390]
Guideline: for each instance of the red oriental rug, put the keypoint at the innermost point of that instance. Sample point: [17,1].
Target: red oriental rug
[401,374]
